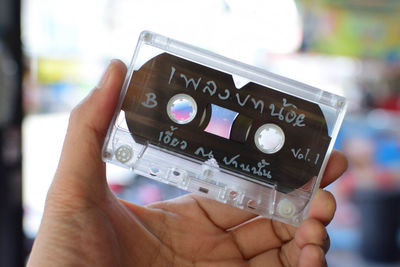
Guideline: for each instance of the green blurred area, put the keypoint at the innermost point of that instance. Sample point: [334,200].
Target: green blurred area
[365,29]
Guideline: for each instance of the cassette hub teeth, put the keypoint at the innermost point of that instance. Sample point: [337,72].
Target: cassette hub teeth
[181,108]
[269,138]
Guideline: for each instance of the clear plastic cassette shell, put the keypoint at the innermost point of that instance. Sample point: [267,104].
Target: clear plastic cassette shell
[177,97]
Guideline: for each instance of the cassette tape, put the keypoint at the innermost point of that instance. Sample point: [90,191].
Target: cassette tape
[223,129]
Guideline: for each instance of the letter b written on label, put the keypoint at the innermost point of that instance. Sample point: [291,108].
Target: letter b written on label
[151,101]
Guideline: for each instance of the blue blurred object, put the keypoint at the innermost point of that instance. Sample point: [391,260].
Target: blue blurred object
[383,135]
[344,239]
[388,152]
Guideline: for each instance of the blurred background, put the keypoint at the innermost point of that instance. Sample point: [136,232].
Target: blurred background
[52,53]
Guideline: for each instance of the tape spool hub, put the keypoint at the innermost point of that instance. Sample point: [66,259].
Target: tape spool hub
[269,138]
[181,108]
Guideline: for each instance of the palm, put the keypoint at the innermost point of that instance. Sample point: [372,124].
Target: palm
[201,230]
[194,230]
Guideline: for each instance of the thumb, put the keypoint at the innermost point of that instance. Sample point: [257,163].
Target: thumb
[81,166]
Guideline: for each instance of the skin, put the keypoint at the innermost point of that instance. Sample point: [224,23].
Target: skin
[85,224]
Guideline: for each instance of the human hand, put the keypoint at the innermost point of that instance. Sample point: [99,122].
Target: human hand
[84,224]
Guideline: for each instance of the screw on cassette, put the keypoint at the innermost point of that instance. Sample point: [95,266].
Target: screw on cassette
[269,136]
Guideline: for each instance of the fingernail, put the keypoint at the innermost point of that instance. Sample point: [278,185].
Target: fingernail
[104,77]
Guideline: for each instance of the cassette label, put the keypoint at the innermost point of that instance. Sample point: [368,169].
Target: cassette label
[255,130]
